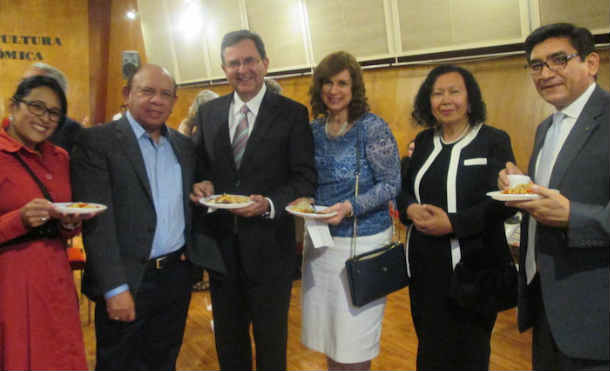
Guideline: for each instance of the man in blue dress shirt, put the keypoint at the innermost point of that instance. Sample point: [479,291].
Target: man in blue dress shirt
[137,269]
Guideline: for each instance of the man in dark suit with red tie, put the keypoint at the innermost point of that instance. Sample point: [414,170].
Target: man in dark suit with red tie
[257,143]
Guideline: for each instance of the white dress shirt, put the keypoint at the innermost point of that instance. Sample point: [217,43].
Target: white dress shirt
[254,105]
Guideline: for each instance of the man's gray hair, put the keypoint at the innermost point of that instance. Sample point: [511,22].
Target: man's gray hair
[274,86]
[53,73]
[204,96]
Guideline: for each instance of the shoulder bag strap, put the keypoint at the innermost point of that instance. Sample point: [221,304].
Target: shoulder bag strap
[44,190]
[355,228]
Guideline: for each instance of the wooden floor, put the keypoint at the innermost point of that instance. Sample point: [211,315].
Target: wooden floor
[510,349]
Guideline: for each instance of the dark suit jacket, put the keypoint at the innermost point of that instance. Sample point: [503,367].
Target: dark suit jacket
[65,134]
[478,223]
[278,163]
[107,167]
[573,262]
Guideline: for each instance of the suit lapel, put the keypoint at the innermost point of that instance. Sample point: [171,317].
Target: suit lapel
[216,136]
[131,148]
[264,120]
[583,128]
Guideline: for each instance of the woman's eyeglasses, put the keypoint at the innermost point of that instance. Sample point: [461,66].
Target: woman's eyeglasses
[38,108]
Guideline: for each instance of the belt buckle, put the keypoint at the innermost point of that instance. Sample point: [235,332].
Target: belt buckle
[159,261]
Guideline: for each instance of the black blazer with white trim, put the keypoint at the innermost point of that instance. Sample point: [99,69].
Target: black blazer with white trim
[477,220]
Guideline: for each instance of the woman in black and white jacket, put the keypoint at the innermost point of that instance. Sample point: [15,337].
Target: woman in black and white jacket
[454,165]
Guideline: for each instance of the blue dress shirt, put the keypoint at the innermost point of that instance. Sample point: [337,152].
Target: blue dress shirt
[165,179]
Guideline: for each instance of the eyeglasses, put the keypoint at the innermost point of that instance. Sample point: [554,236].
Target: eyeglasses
[38,108]
[554,62]
[247,63]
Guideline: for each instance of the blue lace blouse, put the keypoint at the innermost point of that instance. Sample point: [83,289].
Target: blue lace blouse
[379,173]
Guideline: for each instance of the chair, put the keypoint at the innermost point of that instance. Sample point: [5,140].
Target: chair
[77,259]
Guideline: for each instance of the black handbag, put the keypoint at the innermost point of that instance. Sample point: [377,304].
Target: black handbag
[486,291]
[376,273]
[48,230]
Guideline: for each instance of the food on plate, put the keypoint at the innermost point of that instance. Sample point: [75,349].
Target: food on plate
[304,206]
[519,189]
[82,205]
[226,198]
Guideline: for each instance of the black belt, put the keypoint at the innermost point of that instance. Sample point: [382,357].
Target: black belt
[164,261]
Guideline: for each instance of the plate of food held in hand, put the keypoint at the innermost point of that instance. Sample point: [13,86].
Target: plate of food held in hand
[79,207]
[226,201]
[520,192]
[305,209]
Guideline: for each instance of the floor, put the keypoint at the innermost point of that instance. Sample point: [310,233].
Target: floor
[510,349]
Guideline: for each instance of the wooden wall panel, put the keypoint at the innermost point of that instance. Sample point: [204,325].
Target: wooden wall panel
[512,102]
[66,20]
[99,34]
[125,34]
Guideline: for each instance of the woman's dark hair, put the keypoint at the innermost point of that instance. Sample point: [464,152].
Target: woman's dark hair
[331,65]
[422,112]
[27,85]
[580,38]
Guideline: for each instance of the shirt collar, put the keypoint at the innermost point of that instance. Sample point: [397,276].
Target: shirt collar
[574,109]
[138,130]
[253,104]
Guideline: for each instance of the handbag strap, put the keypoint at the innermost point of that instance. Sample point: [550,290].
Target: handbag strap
[356,183]
[44,190]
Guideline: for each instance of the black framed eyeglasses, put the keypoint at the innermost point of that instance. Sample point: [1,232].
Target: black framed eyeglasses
[38,108]
[554,62]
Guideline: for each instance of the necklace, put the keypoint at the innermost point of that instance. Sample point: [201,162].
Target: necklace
[459,137]
[341,131]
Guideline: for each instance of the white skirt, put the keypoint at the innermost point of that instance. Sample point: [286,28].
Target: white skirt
[330,323]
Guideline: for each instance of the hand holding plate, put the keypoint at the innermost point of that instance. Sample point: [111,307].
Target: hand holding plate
[342,210]
[36,212]
[510,169]
[201,190]
[552,209]
[258,208]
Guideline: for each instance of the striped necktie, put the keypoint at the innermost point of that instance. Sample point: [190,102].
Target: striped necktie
[240,138]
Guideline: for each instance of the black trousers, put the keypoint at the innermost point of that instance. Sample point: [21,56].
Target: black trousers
[153,340]
[449,337]
[545,353]
[238,302]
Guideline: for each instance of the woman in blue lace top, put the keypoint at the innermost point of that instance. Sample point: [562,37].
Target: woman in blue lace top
[344,133]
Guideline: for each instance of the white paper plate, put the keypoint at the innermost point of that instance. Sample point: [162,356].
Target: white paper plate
[499,196]
[72,208]
[209,202]
[310,215]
